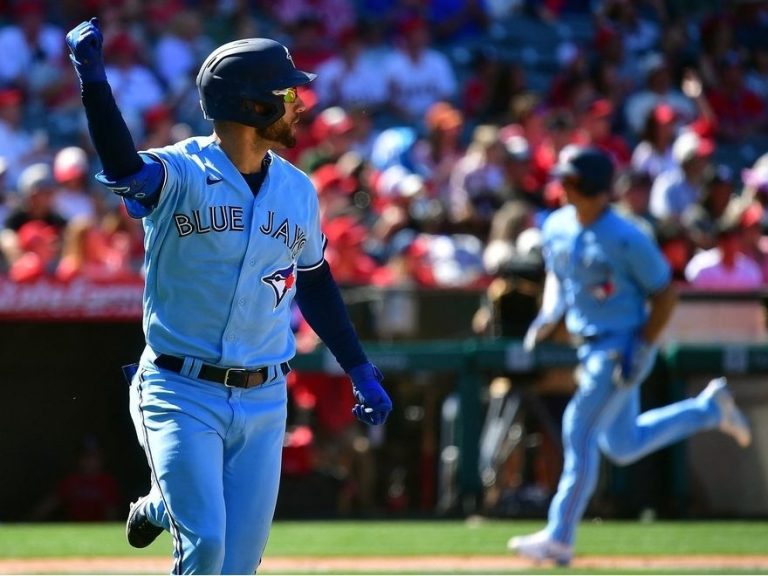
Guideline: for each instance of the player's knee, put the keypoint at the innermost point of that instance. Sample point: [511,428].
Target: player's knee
[209,549]
[617,450]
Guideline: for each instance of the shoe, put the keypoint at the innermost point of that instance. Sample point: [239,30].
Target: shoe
[732,420]
[541,548]
[138,529]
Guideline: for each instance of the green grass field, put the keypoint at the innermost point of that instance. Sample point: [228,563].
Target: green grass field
[412,538]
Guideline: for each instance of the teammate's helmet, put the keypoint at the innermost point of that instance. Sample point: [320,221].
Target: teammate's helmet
[237,81]
[593,168]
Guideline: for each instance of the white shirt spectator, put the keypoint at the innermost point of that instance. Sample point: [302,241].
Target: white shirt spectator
[646,159]
[135,90]
[414,85]
[671,194]
[706,270]
[359,85]
[642,103]
[20,62]
[180,50]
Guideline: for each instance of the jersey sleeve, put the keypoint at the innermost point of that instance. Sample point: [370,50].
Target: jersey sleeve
[174,176]
[313,254]
[647,265]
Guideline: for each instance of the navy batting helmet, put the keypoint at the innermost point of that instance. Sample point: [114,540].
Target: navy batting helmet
[238,81]
[591,166]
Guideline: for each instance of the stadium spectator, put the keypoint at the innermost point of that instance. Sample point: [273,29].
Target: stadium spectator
[349,79]
[633,193]
[434,154]
[17,145]
[739,111]
[596,130]
[92,252]
[35,55]
[39,247]
[725,266]
[331,131]
[755,242]
[653,153]
[135,86]
[456,21]
[659,89]
[700,218]
[477,186]
[677,188]
[36,188]
[329,18]
[417,75]
[559,133]
[179,51]
[87,493]
[72,197]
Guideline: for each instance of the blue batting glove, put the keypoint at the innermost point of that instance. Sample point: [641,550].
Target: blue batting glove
[84,42]
[637,364]
[373,404]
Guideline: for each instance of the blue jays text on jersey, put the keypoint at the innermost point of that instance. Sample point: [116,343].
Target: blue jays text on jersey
[229,259]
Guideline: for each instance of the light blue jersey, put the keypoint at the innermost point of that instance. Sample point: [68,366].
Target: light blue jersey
[222,264]
[607,271]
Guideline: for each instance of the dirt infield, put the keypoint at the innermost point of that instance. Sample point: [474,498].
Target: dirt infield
[425,564]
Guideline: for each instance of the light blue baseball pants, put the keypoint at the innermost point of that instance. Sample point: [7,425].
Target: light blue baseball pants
[603,417]
[215,456]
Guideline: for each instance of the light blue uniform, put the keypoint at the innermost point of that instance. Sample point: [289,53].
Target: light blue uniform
[606,272]
[221,273]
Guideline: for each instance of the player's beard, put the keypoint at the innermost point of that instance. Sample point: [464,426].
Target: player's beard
[279,131]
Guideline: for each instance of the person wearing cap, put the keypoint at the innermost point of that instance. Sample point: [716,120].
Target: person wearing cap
[477,183]
[613,288]
[700,218]
[754,240]
[597,130]
[725,266]
[679,187]
[633,192]
[658,89]
[739,111]
[72,197]
[36,188]
[653,153]
[332,133]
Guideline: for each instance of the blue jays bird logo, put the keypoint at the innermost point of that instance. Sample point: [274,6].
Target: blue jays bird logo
[281,281]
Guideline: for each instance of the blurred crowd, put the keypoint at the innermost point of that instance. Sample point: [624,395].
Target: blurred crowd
[430,148]
[430,134]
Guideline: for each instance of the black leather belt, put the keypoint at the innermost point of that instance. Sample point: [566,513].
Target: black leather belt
[233,377]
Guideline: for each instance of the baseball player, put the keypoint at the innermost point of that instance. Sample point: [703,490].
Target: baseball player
[613,286]
[232,236]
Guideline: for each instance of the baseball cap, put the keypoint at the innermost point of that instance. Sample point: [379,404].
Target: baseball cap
[34,177]
[329,176]
[70,162]
[517,148]
[689,145]
[664,114]
[331,121]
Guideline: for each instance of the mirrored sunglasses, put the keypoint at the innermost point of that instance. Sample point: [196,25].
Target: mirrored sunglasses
[289,95]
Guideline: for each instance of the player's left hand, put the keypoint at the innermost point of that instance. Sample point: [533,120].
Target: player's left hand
[85,46]
[373,403]
[637,363]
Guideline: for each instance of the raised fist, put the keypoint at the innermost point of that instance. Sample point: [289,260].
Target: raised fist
[85,42]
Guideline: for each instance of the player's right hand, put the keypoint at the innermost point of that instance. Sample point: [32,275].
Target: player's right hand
[85,46]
